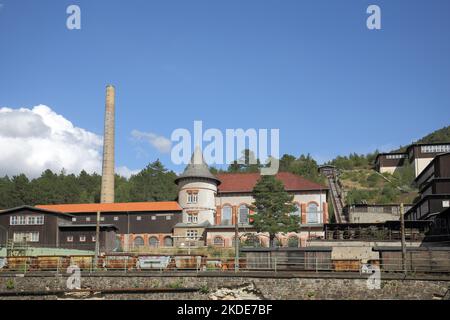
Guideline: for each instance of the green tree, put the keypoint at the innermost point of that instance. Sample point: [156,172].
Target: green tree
[272,207]
[154,183]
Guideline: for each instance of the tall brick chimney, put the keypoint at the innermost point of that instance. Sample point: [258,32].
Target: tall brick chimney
[107,192]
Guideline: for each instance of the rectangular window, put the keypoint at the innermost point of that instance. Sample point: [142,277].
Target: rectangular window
[93,238]
[435,148]
[168,217]
[138,218]
[21,220]
[82,238]
[153,218]
[192,234]
[30,220]
[69,238]
[192,197]
[102,218]
[26,236]
[192,218]
[74,219]
[116,218]
[88,219]
[13,220]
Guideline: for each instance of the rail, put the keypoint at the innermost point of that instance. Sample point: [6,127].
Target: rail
[160,264]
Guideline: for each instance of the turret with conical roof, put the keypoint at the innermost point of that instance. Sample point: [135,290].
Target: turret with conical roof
[197,191]
[197,168]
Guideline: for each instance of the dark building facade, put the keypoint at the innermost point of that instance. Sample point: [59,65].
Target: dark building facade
[434,186]
[421,154]
[390,162]
[51,229]
[138,224]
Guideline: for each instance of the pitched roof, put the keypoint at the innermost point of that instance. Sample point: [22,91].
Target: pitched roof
[197,168]
[25,207]
[113,207]
[245,182]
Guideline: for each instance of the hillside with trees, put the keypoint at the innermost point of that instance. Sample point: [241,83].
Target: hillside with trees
[364,185]
[155,183]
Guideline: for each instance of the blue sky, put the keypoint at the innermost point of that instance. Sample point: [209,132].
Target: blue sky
[310,68]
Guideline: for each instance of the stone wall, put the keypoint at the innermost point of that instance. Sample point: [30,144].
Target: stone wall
[268,288]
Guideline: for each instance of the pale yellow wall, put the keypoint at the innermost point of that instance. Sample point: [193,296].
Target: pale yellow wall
[420,164]
[205,206]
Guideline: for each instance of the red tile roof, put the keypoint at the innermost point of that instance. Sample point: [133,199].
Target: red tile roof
[113,207]
[245,182]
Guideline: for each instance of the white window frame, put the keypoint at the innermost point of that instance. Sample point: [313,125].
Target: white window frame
[21,220]
[88,219]
[69,239]
[116,218]
[74,219]
[32,236]
[230,220]
[138,218]
[13,220]
[192,218]
[244,207]
[82,238]
[192,197]
[192,234]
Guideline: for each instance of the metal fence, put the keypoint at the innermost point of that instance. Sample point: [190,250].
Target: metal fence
[161,264]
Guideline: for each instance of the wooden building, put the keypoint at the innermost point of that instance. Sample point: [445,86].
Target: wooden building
[421,154]
[138,224]
[390,162]
[40,227]
[434,188]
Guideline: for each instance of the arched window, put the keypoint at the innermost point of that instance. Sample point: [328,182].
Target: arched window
[138,242]
[313,213]
[153,242]
[219,242]
[168,242]
[226,215]
[243,214]
[297,212]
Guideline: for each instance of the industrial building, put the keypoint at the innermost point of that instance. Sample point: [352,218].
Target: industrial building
[419,155]
[434,188]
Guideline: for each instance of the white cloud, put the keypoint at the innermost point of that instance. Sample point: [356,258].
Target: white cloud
[161,143]
[126,172]
[33,140]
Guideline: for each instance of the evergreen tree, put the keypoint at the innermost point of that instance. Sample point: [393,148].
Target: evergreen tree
[272,207]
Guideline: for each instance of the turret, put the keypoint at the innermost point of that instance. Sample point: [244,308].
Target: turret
[197,191]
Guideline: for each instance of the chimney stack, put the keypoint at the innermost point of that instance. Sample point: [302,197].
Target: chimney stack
[107,192]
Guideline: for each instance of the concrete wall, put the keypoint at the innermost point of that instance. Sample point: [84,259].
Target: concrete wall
[371,217]
[269,288]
